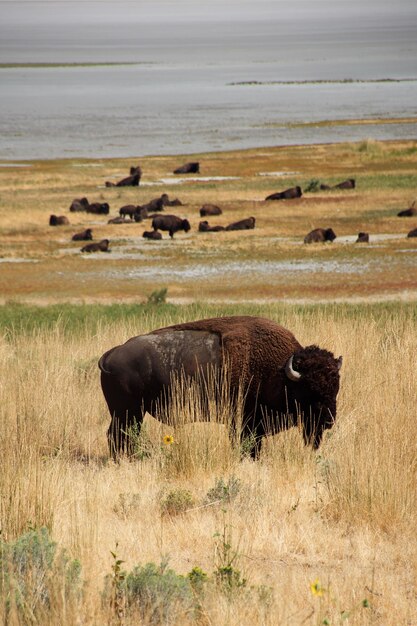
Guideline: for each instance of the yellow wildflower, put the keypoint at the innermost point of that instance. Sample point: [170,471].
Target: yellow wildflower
[168,440]
[316,588]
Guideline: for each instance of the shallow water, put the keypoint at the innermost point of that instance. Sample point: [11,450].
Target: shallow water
[180,96]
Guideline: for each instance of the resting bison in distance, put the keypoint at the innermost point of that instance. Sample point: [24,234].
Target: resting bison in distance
[158,204]
[130,181]
[152,234]
[84,235]
[204,227]
[98,208]
[410,212]
[171,223]
[350,183]
[246,224]
[79,204]
[319,235]
[58,220]
[288,194]
[210,209]
[362,238]
[412,233]
[284,384]
[100,246]
[188,168]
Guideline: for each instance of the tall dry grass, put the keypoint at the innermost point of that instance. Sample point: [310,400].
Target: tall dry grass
[326,537]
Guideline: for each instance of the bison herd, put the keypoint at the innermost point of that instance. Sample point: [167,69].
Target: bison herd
[154,210]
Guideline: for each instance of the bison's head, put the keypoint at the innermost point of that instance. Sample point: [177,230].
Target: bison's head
[186,225]
[329,234]
[315,374]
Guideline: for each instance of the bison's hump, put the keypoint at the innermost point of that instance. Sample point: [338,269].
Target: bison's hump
[256,346]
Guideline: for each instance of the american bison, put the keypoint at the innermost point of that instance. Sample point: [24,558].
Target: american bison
[350,183]
[204,227]
[98,208]
[410,212]
[188,168]
[246,224]
[287,194]
[128,209]
[412,233]
[282,383]
[152,234]
[158,204]
[362,238]
[58,220]
[132,180]
[210,209]
[171,223]
[84,235]
[100,246]
[79,204]
[140,214]
[175,202]
[319,235]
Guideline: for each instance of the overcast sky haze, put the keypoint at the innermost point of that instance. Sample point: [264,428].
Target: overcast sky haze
[107,11]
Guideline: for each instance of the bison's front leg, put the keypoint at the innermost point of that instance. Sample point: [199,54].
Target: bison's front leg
[252,434]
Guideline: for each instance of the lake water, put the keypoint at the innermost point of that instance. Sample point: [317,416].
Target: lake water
[202,76]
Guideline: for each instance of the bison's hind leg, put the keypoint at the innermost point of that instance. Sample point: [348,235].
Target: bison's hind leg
[124,430]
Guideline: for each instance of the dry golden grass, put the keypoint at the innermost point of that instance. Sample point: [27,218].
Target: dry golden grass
[268,263]
[344,516]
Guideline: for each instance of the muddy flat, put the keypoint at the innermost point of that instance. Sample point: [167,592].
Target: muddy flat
[40,263]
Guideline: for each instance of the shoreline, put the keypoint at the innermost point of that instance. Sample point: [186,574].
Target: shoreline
[97,161]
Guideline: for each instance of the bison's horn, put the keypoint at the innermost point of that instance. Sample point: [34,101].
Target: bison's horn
[290,371]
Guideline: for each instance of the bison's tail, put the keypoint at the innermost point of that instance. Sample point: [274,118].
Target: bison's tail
[102,362]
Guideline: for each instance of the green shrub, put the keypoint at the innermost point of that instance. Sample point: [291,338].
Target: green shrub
[312,186]
[228,578]
[29,568]
[177,501]
[223,491]
[140,444]
[158,594]
[247,444]
[158,297]
[198,579]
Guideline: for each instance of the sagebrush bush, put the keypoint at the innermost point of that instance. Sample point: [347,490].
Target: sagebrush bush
[31,568]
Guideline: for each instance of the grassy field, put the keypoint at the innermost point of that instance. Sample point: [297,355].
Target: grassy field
[189,532]
[40,263]
[193,531]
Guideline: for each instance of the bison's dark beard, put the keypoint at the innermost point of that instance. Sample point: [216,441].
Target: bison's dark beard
[315,423]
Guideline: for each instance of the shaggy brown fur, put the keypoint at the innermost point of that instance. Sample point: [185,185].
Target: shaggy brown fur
[253,344]
[257,351]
